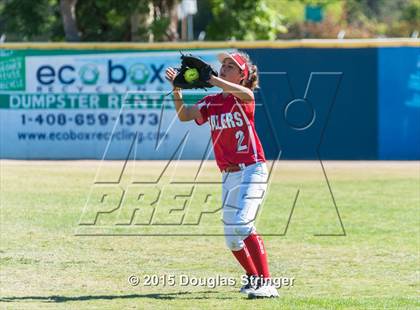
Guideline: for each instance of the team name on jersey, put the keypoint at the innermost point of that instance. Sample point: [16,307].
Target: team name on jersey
[225,120]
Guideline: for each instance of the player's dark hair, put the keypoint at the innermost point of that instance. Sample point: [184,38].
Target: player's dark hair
[252,80]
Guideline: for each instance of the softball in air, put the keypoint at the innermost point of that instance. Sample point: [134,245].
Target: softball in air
[191,75]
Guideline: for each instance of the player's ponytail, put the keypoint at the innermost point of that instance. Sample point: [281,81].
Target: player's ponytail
[252,81]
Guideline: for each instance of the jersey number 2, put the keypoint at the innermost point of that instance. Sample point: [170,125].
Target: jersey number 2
[239,135]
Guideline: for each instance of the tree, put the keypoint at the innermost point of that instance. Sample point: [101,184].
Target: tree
[116,20]
[165,20]
[89,20]
[156,20]
[244,20]
[68,14]
[26,20]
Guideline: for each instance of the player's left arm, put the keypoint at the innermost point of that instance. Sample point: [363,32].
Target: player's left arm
[237,90]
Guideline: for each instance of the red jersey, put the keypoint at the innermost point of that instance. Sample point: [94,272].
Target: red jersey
[231,121]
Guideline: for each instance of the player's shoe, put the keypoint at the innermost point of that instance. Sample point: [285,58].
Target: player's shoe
[249,286]
[274,292]
[263,290]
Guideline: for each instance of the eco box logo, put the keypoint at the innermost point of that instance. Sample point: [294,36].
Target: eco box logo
[110,72]
[104,73]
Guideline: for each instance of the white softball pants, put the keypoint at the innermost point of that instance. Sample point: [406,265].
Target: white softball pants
[242,193]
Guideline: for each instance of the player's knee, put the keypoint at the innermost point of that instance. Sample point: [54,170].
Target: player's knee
[234,236]
[234,243]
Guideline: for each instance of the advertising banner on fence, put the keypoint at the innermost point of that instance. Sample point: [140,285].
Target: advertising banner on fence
[77,105]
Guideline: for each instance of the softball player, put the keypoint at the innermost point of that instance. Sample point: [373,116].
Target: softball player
[240,158]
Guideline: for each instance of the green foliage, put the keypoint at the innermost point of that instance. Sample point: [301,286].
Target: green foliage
[106,20]
[358,18]
[244,20]
[411,13]
[293,11]
[382,17]
[28,20]
[159,28]
[97,20]
[408,23]
[110,20]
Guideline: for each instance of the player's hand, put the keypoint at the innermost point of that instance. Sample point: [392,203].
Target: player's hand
[170,75]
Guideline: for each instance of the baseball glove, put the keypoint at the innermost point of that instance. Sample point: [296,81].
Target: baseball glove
[204,70]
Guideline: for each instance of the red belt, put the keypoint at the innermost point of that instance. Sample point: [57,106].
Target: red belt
[235,167]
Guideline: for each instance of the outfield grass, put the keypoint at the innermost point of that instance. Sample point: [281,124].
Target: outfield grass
[47,263]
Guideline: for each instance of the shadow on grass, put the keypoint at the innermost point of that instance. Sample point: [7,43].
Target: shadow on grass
[162,296]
